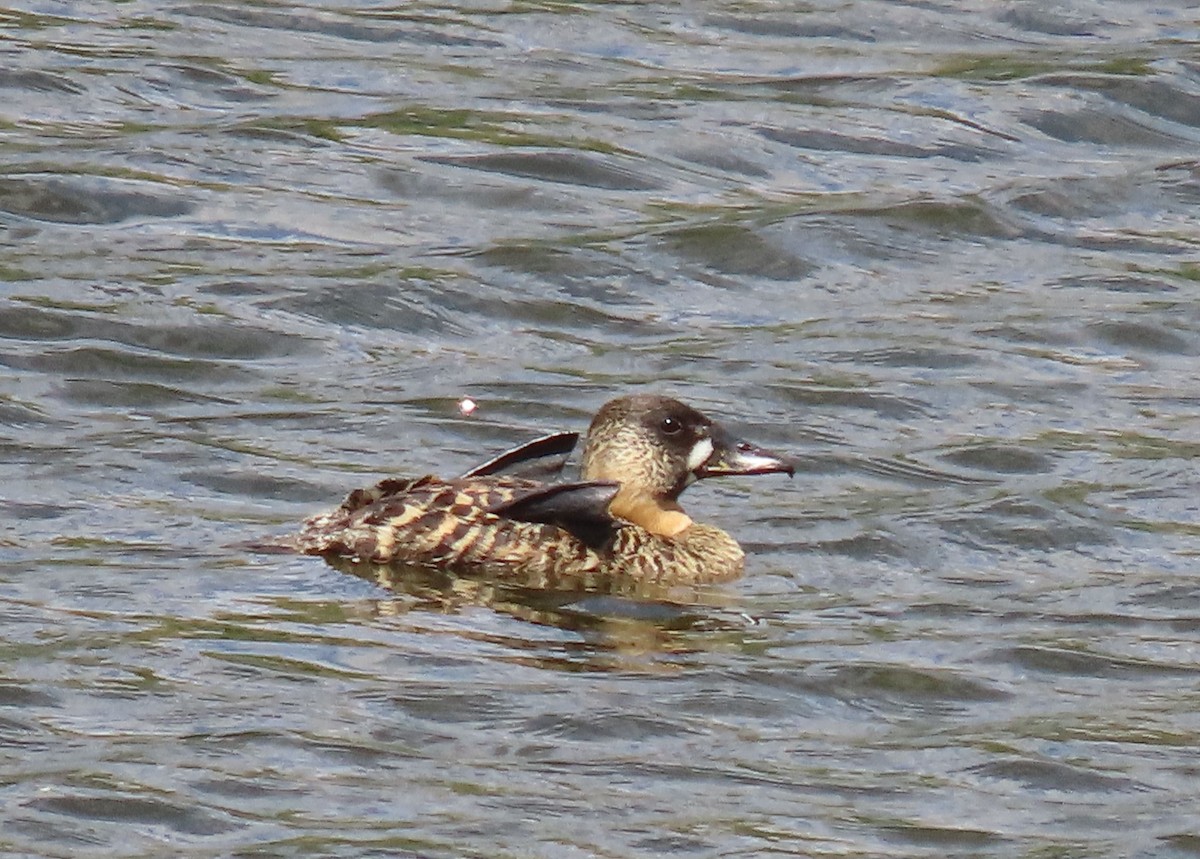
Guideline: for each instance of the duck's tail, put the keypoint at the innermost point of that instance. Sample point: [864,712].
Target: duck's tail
[285,544]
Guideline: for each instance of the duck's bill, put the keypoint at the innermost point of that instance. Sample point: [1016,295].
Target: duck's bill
[731,456]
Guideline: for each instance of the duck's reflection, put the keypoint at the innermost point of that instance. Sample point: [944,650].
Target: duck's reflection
[618,613]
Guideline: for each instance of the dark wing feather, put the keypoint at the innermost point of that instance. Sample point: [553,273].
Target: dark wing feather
[540,459]
[581,509]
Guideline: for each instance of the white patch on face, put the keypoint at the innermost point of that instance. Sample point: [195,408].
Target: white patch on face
[699,454]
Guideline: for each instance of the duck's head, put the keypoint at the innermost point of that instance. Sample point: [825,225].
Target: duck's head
[655,447]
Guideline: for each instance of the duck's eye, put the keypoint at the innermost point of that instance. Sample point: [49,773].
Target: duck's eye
[670,426]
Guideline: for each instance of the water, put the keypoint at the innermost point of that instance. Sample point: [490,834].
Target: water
[946,253]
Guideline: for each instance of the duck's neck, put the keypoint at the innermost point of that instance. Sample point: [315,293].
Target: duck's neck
[657,515]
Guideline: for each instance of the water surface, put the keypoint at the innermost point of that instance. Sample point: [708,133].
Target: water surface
[252,255]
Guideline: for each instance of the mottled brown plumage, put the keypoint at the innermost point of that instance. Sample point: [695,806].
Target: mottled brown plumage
[622,520]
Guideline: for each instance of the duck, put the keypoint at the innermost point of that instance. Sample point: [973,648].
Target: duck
[504,519]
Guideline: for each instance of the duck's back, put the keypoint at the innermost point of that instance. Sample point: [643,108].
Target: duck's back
[446,523]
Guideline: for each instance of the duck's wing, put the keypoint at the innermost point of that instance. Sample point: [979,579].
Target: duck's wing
[539,459]
[418,520]
[580,509]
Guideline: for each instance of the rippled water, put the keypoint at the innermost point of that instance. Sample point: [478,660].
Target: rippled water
[947,253]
